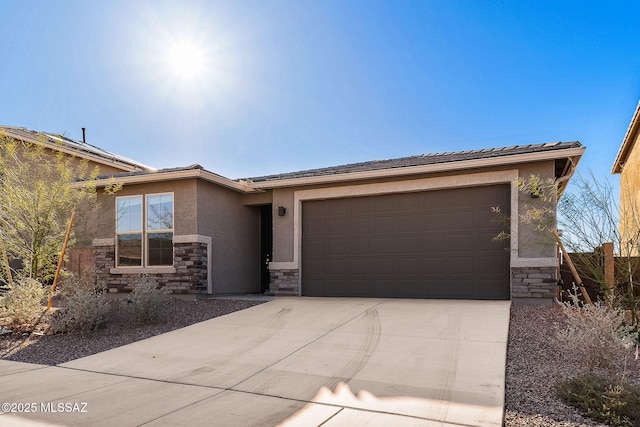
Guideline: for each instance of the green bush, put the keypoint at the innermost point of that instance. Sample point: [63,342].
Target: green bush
[148,303]
[23,303]
[601,400]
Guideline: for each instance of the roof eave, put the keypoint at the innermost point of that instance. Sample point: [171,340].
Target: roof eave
[240,186]
[574,153]
[111,161]
[627,142]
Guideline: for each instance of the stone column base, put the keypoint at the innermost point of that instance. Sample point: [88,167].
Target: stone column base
[533,282]
[285,282]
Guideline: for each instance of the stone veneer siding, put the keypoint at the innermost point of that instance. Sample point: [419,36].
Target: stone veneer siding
[189,261]
[526,282]
[533,282]
[285,282]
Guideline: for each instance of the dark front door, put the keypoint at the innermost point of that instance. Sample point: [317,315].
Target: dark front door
[266,245]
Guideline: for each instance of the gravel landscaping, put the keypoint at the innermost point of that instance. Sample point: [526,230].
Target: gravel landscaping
[120,330]
[534,363]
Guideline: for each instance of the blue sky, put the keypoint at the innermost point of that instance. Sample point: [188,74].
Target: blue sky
[287,85]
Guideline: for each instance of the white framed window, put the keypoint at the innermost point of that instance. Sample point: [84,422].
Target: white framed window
[159,236]
[144,233]
[129,231]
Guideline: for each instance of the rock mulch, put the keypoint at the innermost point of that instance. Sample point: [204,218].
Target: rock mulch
[120,330]
[535,362]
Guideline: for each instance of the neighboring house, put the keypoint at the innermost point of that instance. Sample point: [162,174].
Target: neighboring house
[80,258]
[108,163]
[418,226]
[627,164]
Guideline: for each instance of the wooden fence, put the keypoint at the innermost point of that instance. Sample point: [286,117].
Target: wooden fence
[594,289]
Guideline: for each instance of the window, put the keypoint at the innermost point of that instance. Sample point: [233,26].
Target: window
[160,229]
[155,239]
[129,231]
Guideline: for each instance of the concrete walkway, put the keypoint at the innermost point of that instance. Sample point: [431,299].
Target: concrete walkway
[292,362]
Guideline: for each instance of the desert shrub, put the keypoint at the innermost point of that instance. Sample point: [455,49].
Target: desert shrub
[148,303]
[616,404]
[597,335]
[23,303]
[85,306]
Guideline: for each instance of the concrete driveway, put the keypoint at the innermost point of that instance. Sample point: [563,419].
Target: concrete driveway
[292,362]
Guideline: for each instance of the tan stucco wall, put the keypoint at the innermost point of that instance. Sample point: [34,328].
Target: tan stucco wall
[283,225]
[184,205]
[532,244]
[205,209]
[257,199]
[630,194]
[234,229]
[529,244]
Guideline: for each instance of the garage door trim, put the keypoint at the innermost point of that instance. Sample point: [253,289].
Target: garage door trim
[414,185]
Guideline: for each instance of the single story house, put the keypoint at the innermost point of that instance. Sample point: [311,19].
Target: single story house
[107,162]
[419,226]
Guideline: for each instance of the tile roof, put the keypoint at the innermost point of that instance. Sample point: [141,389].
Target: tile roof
[82,148]
[154,172]
[421,160]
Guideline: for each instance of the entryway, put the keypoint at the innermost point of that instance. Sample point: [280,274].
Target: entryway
[266,245]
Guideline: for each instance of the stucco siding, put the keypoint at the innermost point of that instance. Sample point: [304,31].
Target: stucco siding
[630,193]
[529,244]
[528,249]
[184,205]
[532,244]
[234,229]
[283,237]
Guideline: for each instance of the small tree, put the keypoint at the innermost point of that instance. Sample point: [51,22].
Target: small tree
[589,215]
[37,200]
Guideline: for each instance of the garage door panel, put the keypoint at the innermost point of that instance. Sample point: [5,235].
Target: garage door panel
[409,204]
[442,220]
[334,247]
[337,226]
[318,248]
[435,244]
[383,223]
[410,244]
[382,245]
[409,223]
[382,205]
[359,225]
[380,268]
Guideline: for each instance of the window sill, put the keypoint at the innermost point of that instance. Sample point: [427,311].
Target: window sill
[143,270]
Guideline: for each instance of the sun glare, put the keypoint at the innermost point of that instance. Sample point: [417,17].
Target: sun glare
[187,61]
[192,65]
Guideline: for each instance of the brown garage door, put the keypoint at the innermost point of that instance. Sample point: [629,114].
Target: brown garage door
[432,244]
